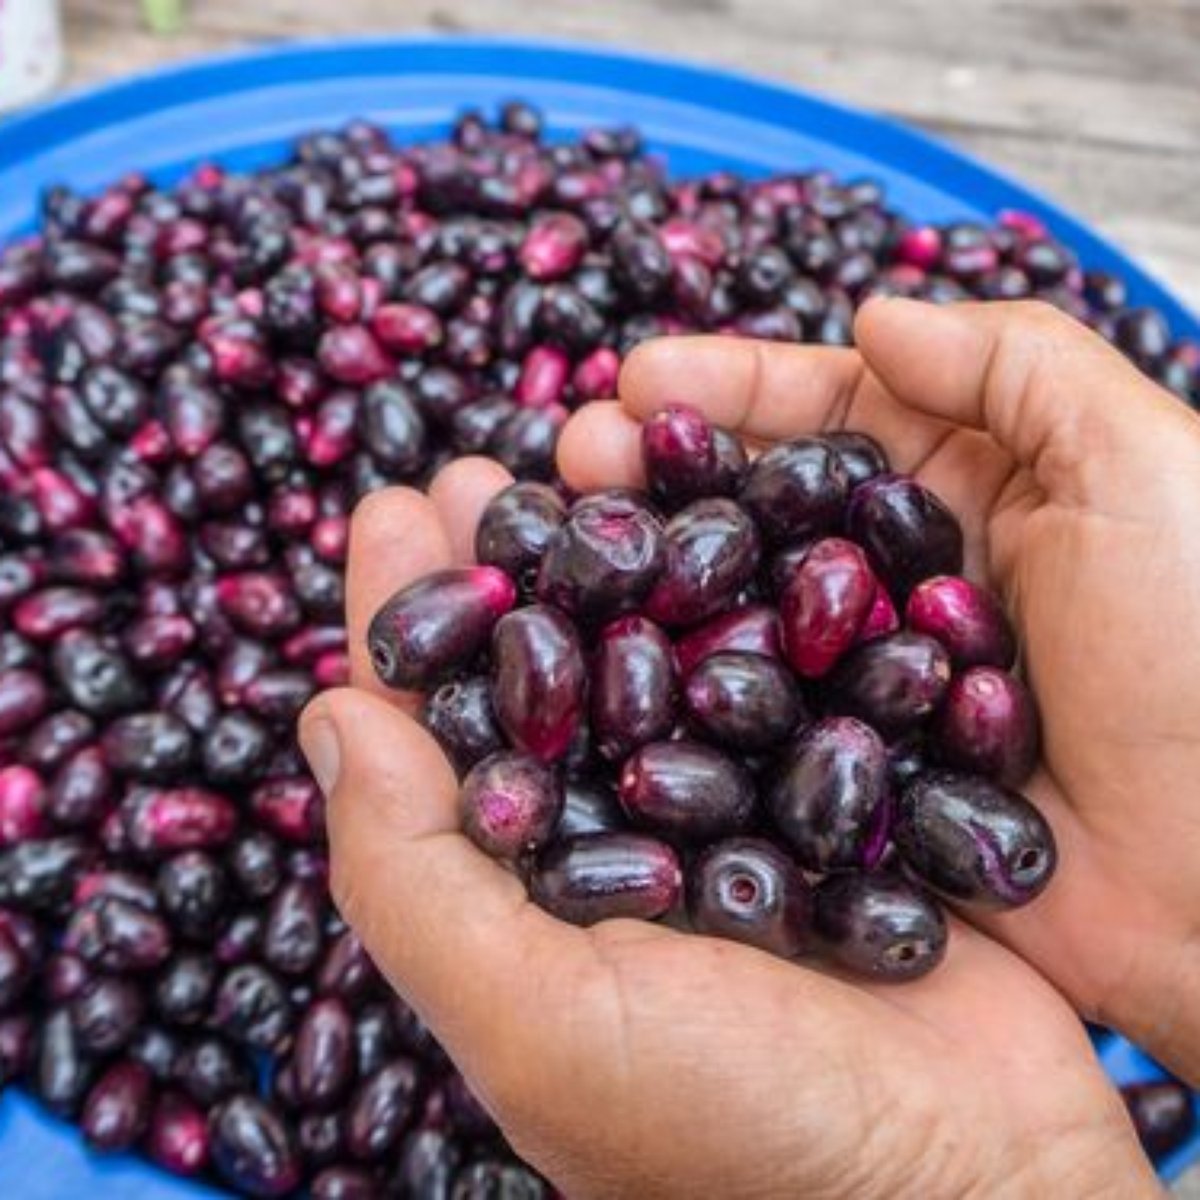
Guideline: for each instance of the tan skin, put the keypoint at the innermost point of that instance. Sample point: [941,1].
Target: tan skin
[632,1060]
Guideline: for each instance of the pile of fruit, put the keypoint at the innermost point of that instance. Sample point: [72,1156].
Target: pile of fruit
[197,383]
[790,681]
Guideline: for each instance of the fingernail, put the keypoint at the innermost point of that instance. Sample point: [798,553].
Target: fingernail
[319,741]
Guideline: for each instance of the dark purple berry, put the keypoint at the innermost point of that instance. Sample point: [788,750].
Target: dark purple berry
[830,795]
[712,550]
[893,683]
[252,1149]
[748,890]
[437,625]
[907,532]
[604,559]
[987,724]
[686,791]
[973,840]
[879,926]
[743,701]
[632,687]
[607,875]
[796,490]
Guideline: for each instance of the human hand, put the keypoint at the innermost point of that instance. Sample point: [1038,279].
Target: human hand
[631,1059]
[1076,480]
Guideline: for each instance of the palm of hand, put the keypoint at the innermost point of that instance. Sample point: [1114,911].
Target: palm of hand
[633,1059]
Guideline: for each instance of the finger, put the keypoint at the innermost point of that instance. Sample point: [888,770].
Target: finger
[396,536]
[460,492]
[1055,396]
[451,930]
[600,447]
[767,392]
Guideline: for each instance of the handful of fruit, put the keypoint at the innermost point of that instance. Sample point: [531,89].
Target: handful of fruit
[759,698]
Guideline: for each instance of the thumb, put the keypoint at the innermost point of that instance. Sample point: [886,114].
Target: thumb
[452,930]
[1092,429]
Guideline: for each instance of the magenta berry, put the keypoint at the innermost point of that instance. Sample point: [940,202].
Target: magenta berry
[825,605]
[987,724]
[968,621]
[510,804]
[539,680]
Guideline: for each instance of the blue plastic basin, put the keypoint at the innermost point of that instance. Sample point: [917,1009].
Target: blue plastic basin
[244,110]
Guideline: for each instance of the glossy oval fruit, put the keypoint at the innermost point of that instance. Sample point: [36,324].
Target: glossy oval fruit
[712,551]
[589,806]
[685,461]
[539,681]
[752,628]
[606,875]
[437,625]
[1162,1112]
[749,890]
[604,559]
[970,622]
[987,723]
[61,1071]
[893,683]
[743,701]
[323,1056]
[178,1138]
[829,799]
[824,606]
[907,532]
[510,804]
[515,529]
[381,1109]
[974,840]
[460,715]
[861,456]
[632,687]
[686,790]
[878,925]
[117,1109]
[252,1149]
[796,490]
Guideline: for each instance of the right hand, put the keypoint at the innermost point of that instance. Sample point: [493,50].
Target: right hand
[1078,484]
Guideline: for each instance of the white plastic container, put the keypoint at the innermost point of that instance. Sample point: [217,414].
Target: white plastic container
[30,50]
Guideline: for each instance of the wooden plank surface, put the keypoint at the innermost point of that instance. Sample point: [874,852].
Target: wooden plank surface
[1096,102]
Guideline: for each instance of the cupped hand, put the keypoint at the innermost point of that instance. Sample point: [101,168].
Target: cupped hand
[1077,481]
[631,1059]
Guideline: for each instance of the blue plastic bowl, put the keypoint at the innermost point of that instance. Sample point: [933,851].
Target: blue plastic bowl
[244,109]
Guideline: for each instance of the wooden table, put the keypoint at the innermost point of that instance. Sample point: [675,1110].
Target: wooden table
[1097,102]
